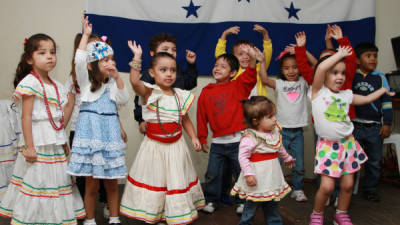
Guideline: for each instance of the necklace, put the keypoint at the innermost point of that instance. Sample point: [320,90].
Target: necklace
[179,115]
[46,103]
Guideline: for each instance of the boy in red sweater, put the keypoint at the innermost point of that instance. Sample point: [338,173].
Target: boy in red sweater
[220,106]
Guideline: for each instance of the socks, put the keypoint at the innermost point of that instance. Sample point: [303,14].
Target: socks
[114,220]
[314,212]
[89,222]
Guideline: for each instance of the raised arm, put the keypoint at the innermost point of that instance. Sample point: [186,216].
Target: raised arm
[324,66]
[82,76]
[190,74]
[136,65]
[221,45]
[328,36]
[263,72]
[267,44]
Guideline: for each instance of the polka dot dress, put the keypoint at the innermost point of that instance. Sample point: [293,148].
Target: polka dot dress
[335,158]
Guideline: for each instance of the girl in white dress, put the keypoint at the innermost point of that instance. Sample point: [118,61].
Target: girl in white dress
[41,191]
[162,183]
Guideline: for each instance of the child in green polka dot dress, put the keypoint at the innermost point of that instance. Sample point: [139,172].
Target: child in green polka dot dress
[338,154]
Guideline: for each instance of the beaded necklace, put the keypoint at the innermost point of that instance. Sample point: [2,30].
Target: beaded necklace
[46,103]
[179,115]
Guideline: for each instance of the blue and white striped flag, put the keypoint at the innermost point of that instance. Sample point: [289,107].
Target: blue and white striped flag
[197,24]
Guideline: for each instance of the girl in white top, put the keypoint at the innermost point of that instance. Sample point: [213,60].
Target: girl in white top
[292,114]
[98,151]
[162,183]
[41,191]
[338,154]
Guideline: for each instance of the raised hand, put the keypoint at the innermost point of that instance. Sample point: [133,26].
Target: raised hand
[136,49]
[300,38]
[262,30]
[336,32]
[328,34]
[260,56]
[344,51]
[229,31]
[290,49]
[86,26]
[190,57]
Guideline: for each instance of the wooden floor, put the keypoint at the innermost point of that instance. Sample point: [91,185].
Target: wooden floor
[362,212]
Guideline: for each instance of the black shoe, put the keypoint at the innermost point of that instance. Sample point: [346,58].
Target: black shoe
[372,196]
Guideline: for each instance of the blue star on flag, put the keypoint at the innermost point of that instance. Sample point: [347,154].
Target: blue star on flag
[191,9]
[292,11]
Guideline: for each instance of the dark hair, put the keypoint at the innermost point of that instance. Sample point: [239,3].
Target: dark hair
[365,47]
[157,39]
[31,45]
[255,108]
[242,42]
[231,59]
[283,59]
[323,59]
[159,55]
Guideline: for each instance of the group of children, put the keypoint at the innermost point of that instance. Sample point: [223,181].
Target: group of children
[249,130]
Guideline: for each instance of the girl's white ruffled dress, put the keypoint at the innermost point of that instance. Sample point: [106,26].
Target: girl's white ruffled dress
[271,184]
[162,183]
[9,134]
[42,192]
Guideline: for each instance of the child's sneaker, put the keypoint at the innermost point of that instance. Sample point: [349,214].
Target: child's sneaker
[299,196]
[317,219]
[210,207]
[341,218]
[239,209]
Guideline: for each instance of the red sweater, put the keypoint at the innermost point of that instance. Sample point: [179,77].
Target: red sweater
[220,105]
[308,72]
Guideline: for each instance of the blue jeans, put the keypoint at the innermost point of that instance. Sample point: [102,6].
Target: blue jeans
[220,155]
[293,140]
[370,140]
[270,209]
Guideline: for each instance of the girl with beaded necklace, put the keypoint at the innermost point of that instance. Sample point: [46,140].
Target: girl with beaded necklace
[162,183]
[41,192]
[98,150]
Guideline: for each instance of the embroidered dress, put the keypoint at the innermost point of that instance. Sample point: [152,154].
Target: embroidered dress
[8,142]
[98,149]
[42,192]
[265,166]
[162,183]
[337,152]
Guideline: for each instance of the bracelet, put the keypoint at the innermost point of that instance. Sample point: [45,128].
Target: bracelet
[136,65]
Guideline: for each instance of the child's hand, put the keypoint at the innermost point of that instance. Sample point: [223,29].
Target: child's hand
[290,49]
[204,147]
[336,32]
[66,149]
[143,127]
[190,57]
[112,70]
[390,93]
[196,144]
[251,181]
[328,34]
[229,31]
[136,49]
[385,131]
[290,164]
[86,26]
[300,38]
[123,135]
[262,30]
[260,56]
[30,154]
[344,51]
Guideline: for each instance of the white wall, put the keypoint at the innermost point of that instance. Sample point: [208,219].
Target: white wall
[61,20]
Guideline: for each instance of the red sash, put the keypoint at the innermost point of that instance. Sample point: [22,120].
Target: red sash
[257,157]
[155,132]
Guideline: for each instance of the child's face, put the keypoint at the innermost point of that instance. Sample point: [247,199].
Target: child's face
[44,59]
[289,69]
[222,71]
[164,72]
[336,77]
[104,65]
[165,46]
[368,61]
[267,123]
[241,55]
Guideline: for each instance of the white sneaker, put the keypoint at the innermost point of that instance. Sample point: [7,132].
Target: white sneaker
[210,207]
[106,212]
[299,196]
[239,209]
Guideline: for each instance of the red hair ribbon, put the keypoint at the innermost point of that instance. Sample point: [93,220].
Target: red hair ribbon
[25,40]
[279,57]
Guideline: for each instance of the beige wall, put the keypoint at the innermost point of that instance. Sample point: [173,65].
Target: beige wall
[61,20]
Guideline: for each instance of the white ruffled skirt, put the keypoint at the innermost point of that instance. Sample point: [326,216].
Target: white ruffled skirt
[271,184]
[42,192]
[162,184]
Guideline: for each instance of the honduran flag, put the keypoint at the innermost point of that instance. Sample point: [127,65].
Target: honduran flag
[197,24]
